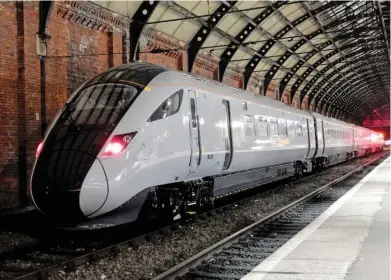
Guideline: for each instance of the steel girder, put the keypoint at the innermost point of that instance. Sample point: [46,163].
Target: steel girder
[341,88]
[139,20]
[328,36]
[353,90]
[368,75]
[384,26]
[203,33]
[350,98]
[270,74]
[298,82]
[186,12]
[348,95]
[327,78]
[314,93]
[309,70]
[254,61]
[229,52]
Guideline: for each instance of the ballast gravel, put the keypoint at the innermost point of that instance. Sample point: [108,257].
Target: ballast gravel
[160,254]
[11,240]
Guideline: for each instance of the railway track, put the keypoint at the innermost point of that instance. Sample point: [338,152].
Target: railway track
[39,260]
[236,255]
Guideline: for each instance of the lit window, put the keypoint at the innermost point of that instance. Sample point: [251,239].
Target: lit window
[249,127]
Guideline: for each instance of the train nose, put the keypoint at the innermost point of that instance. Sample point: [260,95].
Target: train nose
[94,190]
[68,185]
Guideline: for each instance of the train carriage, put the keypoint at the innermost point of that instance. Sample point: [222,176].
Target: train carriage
[141,136]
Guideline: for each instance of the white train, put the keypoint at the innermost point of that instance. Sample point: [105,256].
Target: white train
[141,138]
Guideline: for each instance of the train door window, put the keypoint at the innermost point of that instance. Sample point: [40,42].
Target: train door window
[299,130]
[244,106]
[273,128]
[283,130]
[291,130]
[249,127]
[262,127]
[193,113]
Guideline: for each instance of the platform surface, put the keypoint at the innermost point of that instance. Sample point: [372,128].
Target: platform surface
[349,241]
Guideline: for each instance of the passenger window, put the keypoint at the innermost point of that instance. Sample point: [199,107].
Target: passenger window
[283,128]
[249,127]
[262,127]
[299,130]
[273,129]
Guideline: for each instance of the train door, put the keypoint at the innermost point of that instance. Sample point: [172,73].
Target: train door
[195,141]
[228,135]
[311,139]
[323,138]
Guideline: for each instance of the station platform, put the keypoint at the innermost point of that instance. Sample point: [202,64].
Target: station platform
[350,240]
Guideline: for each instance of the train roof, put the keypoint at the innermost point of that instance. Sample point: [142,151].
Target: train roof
[142,73]
[246,96]
[332,120]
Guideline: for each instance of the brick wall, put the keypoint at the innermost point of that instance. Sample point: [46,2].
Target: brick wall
[8,105]
[71,60]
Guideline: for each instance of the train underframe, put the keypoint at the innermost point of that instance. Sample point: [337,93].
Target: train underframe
[182,199]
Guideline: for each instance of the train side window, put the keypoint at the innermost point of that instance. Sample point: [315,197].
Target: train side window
[249,127]
[262,127]
[169,107]
[273,128]
[299,130]
[283,130]
[291,130]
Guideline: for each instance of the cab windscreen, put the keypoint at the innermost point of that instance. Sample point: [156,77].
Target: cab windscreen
[169,107]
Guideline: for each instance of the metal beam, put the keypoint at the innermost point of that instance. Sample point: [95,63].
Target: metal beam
[203,33]
[230,51]
[305,6]
[252,64]
[324,70]
[349,94]
[139,20]
[330,95]
[251,51]
[314,93]
[384,26]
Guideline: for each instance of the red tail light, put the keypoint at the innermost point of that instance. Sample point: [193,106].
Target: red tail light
[118,144]
[39,148]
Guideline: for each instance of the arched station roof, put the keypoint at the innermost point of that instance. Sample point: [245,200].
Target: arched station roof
[335,54]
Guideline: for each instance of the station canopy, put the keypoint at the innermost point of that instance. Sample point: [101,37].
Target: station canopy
[331,53]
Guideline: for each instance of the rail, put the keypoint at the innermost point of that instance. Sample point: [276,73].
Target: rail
[184,267]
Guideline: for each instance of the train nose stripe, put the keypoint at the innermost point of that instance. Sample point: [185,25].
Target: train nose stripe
[94,190]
